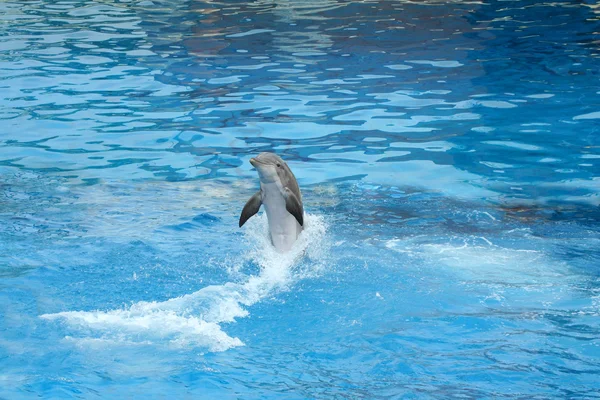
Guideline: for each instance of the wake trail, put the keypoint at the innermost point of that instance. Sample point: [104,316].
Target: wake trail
[195,319]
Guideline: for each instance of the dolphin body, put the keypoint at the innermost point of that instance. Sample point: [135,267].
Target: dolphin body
[280,194]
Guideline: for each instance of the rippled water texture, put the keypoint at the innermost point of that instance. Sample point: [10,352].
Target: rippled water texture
[448,154]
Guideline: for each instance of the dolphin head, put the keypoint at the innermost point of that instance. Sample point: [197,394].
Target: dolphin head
[270,167]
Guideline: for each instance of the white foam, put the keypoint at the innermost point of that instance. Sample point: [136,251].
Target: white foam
[477,258]
[195,319]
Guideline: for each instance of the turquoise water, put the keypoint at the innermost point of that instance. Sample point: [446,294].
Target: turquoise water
[448,155]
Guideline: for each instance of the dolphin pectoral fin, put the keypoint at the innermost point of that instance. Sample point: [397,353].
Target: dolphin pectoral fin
[252,206]
[293,206]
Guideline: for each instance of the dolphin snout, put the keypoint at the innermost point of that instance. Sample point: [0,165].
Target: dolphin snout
[253,162]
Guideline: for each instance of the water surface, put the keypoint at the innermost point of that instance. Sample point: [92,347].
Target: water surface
[448,156]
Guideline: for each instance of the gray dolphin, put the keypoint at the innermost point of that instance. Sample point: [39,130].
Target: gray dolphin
[280,194]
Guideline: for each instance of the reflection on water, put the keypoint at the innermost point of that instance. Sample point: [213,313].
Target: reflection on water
[186,90]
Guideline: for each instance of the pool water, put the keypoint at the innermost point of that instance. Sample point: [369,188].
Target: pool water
[448,155]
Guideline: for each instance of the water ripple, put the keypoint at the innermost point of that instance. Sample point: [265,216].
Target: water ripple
[453,147]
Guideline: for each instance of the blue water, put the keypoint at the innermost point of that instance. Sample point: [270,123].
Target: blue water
[448,154]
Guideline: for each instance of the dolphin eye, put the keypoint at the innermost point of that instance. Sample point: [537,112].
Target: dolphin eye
[278,165]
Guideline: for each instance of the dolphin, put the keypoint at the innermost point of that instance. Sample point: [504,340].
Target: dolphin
[280,194]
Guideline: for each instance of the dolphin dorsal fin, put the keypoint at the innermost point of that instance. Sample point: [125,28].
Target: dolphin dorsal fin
[252,206]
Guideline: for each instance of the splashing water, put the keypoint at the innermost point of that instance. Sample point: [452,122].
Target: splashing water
[195,319]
